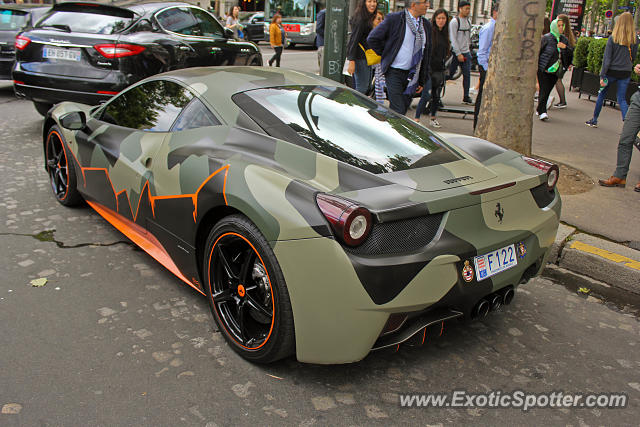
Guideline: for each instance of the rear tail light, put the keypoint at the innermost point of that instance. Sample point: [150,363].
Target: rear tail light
[350,222]
[118,50]
[552,170]
[22,42]
[18,82]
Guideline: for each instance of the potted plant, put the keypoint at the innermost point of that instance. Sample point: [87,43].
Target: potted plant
[590,83]
[579,61]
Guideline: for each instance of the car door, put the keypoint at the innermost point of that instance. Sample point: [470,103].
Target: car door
[116,149]
[203,34]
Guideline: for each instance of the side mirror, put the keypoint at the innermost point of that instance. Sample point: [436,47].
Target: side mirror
[76,120]
[228,33]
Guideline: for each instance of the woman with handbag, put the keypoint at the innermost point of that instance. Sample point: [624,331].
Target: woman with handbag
[276,39]
[233,21]
[361,26]
[432,84]
[550,62]
[619,56]
[568,33]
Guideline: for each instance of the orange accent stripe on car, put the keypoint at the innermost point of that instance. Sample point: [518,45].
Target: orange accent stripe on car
[143,239]
[424,334]
[441,329]
[273,307]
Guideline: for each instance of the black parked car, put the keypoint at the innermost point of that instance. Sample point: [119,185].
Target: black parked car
[88,52]
[13,19]
[254,27]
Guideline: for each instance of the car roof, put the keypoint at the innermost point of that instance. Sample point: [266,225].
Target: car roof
[220,83]
[152,6]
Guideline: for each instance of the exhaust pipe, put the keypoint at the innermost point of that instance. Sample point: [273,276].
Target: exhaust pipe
[482,308]
[496,301]
[507,296]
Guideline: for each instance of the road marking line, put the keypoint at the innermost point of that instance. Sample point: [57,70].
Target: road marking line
[611,256]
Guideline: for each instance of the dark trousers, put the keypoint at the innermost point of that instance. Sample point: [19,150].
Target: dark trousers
[396,85]
[466,71]
[630,128]
[276,55]
[425,96]
[547,82]
[476,110]
[437,83]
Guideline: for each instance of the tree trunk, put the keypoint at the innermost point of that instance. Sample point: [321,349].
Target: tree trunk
[614,7]
[475,12]
[451,9]
[441,4]
[595,5]
[507,100]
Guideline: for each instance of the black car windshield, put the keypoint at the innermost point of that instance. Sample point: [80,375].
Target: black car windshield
[346,126]
[12,19]
[86,22]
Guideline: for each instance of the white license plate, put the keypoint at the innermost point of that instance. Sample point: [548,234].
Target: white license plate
[495,262]
[66,54]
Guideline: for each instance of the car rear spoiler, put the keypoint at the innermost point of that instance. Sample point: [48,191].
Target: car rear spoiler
[94,7]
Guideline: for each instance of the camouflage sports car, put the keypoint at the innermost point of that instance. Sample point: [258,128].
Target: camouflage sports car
[315,220]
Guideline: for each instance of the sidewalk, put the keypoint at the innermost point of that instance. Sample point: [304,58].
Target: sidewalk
[600,236]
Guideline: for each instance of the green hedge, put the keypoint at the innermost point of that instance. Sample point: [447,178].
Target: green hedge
[594,57]
[581,52]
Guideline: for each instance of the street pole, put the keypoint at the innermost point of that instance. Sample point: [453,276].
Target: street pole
[335,39]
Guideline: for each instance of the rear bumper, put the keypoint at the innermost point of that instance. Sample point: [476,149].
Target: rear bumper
[6,64]
[52,89]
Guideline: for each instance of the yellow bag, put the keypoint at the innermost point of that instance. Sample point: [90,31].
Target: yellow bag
[372,57]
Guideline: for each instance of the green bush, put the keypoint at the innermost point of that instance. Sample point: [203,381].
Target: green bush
[581,52]
[596,52]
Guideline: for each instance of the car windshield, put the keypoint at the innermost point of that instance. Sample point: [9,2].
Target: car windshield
[12,19]
[346,126]
[86,22]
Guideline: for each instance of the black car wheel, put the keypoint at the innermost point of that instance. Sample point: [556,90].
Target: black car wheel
[62,174]
[246,291]
[42,107]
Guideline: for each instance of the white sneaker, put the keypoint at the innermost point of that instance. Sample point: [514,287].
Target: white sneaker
[550,101]
[434,123]
[473,91]
[544,117]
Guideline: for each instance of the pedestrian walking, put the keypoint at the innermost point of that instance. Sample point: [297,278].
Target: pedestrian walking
[401,40]
[440,51]
[378,76]
[361,25]
[568,33]
[320,37]
[630,129]
[484,52]
[619,56]
[551,59]
[460,36]
[276,39]
[233,21]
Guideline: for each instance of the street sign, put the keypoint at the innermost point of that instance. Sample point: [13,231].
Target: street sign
[608,14]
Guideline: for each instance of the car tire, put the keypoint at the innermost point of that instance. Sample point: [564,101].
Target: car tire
[62,173]
[42,107]
[246,291]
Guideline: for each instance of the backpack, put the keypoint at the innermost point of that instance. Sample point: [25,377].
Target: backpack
[457,18]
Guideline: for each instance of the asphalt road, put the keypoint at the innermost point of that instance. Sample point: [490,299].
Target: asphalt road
[114,339]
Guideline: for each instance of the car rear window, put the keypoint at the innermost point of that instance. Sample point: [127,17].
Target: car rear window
[88,19]
[12,19]
[346,126]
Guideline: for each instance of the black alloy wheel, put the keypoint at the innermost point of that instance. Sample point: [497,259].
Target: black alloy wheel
[61,172]
[246,291]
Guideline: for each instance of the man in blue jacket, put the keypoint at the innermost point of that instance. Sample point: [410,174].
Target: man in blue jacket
[402,39]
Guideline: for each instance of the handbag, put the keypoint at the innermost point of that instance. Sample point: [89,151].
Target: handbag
[372,57]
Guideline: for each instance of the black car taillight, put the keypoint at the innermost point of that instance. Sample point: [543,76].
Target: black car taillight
[118,50]
[350,222]
[22,42]
[552,170]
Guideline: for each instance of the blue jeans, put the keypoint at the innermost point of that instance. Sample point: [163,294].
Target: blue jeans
[362,76]
[396,85]
[466,71]
[621,96]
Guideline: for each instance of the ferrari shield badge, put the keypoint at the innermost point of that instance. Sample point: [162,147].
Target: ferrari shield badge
[467,272]
[522,250]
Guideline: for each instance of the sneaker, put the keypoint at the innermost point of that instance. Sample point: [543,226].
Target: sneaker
[473,91]
[434,123]
[550,101]
[591,123]
[468,101]
[544,117]
[560,105]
